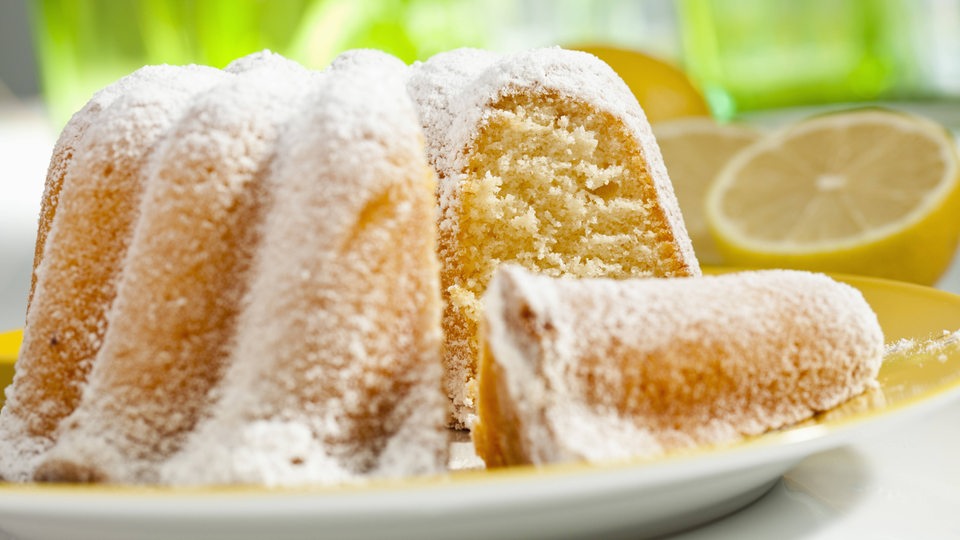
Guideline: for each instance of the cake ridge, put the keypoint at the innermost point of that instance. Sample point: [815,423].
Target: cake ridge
[359,392]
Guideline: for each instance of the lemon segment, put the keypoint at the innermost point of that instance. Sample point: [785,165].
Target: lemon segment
[868,192]
[695,150]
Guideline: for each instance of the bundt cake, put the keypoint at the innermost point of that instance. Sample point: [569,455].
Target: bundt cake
[95,182]
[546,160]
[291,206]
[597,369]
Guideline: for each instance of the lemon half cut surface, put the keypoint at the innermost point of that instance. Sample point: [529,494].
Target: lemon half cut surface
[695,149]
[871,192]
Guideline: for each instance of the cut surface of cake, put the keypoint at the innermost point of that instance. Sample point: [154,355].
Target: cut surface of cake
[598,370]
[546,160]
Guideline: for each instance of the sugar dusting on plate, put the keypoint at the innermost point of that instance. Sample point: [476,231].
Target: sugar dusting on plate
[936,346]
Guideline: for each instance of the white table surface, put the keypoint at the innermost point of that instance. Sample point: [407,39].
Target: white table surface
[900,485]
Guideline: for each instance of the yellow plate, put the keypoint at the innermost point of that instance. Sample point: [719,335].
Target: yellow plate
[920,374]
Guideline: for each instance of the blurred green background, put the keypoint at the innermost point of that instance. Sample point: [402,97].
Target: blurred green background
[743,55]
[82,45]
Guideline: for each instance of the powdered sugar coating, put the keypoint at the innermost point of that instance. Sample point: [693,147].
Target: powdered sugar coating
[76,278]
[598,370]
[368,59]
[265,59]
[336,374]
[437,88]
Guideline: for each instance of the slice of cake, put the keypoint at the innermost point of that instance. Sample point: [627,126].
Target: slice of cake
[599,370]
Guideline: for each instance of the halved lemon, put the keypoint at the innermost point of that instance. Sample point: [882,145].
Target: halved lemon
[871,192]
[695,150]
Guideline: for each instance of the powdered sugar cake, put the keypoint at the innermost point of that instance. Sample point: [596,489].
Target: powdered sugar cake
[595,370]
[546,160]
